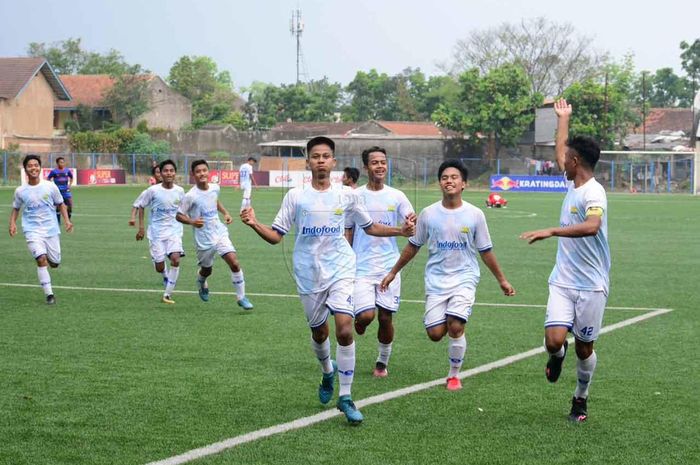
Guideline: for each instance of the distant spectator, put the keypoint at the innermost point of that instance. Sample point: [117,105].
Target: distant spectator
[350,176]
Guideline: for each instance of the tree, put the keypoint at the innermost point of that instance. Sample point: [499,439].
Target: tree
[498,106]
[68,57]
[371,96]
[552,55]
[690,59]
[127,99]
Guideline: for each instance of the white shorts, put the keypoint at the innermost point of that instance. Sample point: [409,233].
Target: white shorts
[336,299]
[580,311]
[246,190]
[49,246]
[162,248]
[205,258]
[368,296]
[457,304]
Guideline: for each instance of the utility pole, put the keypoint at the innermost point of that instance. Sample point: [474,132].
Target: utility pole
[296,27]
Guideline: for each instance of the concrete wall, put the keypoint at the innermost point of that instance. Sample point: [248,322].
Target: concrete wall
[31,114]
[169,109]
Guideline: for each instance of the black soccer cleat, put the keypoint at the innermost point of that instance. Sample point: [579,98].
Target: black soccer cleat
[554,365]
[50,299]
[579,410]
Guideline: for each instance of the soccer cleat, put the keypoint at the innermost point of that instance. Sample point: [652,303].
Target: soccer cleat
[325,389]
[347,406]
[50,299]
[579,410]
[554,365]
[245,303]
[166,299]
[203,291]
[380,370]
[454,384]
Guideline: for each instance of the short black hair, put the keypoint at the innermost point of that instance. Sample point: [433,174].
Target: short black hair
[366,152]
[29,158]
[252,159]
[318,140]
[153,169]
[59,159]
[352,173]
[587,148]
[196,163]
[453,163]
[167,162]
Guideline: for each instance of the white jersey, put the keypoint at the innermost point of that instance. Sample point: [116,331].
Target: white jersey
[454,237]
[39,213]
[245,174]
[377,255]
[203,204]
[322,256]
[163,204]
[583,263]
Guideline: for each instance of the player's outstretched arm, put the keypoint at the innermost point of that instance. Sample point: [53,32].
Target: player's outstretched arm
[13,222]
[406,256]
[66,219]
[590,227]
[184,219]
[228,219]
[266,232]
[489,258]
[141,231]
[407,229]
[563,111]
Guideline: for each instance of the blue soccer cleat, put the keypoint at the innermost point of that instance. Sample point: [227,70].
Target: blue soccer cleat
[245,303]
[325,389]
[203,291]
[347,406]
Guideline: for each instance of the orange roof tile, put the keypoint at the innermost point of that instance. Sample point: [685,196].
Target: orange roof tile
[86,89]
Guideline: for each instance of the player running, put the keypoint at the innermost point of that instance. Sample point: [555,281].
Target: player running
[38,200]
[200,208]
[246,181]
[376,255]
[579,282]
[63,177]
[164,231]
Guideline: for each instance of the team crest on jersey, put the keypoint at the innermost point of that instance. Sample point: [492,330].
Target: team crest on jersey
[339,211]
[45,197]
[573,210]
[392,208]
[465,230]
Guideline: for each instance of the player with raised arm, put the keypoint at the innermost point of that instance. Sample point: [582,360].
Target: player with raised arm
[376,255]
[38,200]
[200,208]
[63,177]
[164,231]
[454,231]
[246,181]
[579,282]
[324,264]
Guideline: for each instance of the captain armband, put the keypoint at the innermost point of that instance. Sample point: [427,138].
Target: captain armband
[594,211]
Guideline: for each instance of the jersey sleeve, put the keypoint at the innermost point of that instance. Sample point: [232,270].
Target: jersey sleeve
[17,201]
[421,236]
[56,194]
[404,208]
[70,174]
[595,201]
[358,214]
[185,205]
[482,238]
[286,215]
[143,199]
[52,174]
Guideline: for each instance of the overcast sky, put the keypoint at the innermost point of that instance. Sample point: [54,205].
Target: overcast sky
[251,39]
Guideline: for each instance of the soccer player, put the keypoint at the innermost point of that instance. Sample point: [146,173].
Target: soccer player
[350,177]
[324,264]
[155,179]
[164,231]
[62,177]
[246,180]
[200,208]
[454,231]
[376,255]
[579,282]
[39,224]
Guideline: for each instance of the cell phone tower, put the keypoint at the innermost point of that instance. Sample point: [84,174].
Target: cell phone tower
[296,27]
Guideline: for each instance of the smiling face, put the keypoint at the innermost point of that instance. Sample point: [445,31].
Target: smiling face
[376,167]
[33,170]
[451,182]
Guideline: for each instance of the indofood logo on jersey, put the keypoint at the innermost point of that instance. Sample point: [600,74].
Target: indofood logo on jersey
[320,230]
[451,245]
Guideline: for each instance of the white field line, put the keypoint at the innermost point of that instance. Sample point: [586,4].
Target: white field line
[293,296]
[230,443]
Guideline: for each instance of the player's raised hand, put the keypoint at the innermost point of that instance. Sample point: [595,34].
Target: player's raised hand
[507,288]
[534,236]
[384,285]
[248,216]
[562,108]
[198,223]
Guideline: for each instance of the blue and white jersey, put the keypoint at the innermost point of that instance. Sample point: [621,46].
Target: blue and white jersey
[203,204]
[322,256]
[583,263]
[454,237]
[245,174]
[62,179]
[377,255]
[39,212]
[163,204]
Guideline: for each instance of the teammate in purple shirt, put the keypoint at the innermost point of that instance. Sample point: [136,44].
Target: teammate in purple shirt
[63,177]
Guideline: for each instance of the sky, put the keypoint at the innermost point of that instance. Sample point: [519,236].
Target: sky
[251,39]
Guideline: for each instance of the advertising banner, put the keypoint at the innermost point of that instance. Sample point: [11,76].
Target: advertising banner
[291,179]
[45,174]
[221,177]
[528,183]
[101,177]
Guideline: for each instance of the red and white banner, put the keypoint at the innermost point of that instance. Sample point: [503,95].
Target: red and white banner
[101,177]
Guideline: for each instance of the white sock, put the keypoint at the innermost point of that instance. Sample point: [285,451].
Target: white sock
[456,348]
[584,372]
[44,279]
[164,273]
[173,273]
[245,203]
[238,284]
[559,354]
[345,356]
[384,353]
[323,354]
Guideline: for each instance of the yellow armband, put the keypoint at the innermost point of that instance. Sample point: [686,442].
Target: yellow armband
[594,211]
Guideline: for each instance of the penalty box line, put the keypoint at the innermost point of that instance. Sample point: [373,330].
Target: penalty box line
[295,296]
[230,443]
